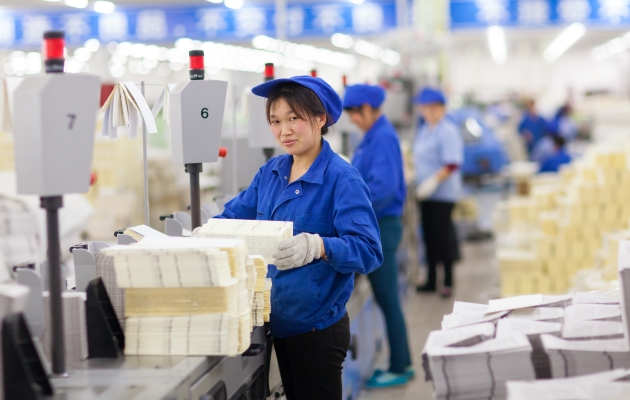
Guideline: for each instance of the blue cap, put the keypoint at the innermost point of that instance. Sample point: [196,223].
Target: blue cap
[429,96]
[329,98]
[357,95]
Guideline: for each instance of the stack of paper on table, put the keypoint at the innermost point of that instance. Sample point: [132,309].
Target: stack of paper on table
[462,307]
[204,334]
[179,290]
[251,278]
[549,314]
[457,337]
[106,271]
[141,231]
[600,386]
[481,370]
[624,284]
[533,330]
[262,237]
[261,296]
[586,330]
[74,325]
[593,312]
[533,300]
[450,321]
[579,357]
[595,298]
[144,266]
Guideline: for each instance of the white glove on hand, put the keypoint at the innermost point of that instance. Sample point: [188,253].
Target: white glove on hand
[427,187]
[298,251]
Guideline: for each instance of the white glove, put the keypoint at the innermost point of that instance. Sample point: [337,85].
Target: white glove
[298,251]
[427,187]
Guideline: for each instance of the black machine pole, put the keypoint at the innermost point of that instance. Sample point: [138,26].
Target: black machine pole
[269,76]
[54,63]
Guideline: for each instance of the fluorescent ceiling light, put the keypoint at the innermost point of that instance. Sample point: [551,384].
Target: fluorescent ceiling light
[496,43]
[77,3]
[104,7]
[92,45]
[215,1]
[611,48]
[234,4]
[305,52]
[565,39]
[52,1]
[367,49]
[342,41]
[390,57]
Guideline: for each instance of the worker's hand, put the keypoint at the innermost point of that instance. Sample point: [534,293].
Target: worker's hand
[298,251]
[427,187]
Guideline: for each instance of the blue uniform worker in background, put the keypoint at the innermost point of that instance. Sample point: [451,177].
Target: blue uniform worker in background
[533,127]
[560,156]
[336,235]
[438,152]
[379,160]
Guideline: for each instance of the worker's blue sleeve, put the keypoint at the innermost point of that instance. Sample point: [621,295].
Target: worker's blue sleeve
[384,178]
[357,247]
[451,146]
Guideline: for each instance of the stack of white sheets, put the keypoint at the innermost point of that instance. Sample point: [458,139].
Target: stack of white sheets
[262,237]
[184,296]
[74,325]
[261,304]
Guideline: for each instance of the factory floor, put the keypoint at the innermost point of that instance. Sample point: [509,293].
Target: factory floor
[476,280]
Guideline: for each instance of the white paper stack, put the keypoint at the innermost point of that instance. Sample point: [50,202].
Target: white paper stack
[458,337]
[125,108]
[139,266]
[595,298]
[462,307]
[106,271]
[74,325]
[480,371]
[532,300]
[206,334]
[450,321]
[141,231]
[586,330]
[251,279]
[533,330]
[578,357]
[600,386]
[593,312]
[262,237]
[549,314]
[261,296]
[624,284]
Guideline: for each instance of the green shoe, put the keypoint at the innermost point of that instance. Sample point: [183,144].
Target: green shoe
[386,379]
[410,373]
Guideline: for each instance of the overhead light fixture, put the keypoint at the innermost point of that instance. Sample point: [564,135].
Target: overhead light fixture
[305,52]
[611,48]
[367,49]
[104,7]
[234,4]
[77,3]
[92,45]
[497,45]
[215,1]
[565,39]
[342,41]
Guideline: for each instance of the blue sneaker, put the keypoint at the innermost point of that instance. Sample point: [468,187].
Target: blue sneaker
[410,373]
[386,379]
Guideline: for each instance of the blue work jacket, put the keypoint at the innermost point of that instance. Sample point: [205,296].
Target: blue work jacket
[379,161]
[553,163]
[536,125]
[332,200]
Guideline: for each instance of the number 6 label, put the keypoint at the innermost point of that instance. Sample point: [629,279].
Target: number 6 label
[204,113]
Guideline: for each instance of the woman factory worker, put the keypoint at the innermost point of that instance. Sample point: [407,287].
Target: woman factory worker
[379,160]
[438,152]
[336,235]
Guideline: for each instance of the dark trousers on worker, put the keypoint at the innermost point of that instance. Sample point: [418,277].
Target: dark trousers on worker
[384,282]
[310,363]
[440,239]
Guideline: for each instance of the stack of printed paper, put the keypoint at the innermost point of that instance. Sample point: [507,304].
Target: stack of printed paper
[74,325]
[262,237]
[548,314]
[580,357]
[182,297]
[610,385]
[261,295]
[480,371]
[124,109]
[106,271]
[585,330]
[533,330]
[141,231]
[593,312]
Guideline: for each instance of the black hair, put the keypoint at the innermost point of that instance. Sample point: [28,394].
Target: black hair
[559,141]
[302,100]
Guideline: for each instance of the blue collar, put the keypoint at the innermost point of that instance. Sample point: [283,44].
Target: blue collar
[315,173]
[378,125]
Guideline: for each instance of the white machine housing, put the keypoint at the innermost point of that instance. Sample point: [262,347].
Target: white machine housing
[196,115]
[260,135]
[54,125]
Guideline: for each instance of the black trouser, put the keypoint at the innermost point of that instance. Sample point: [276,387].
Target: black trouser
[310,363]
[440,239]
